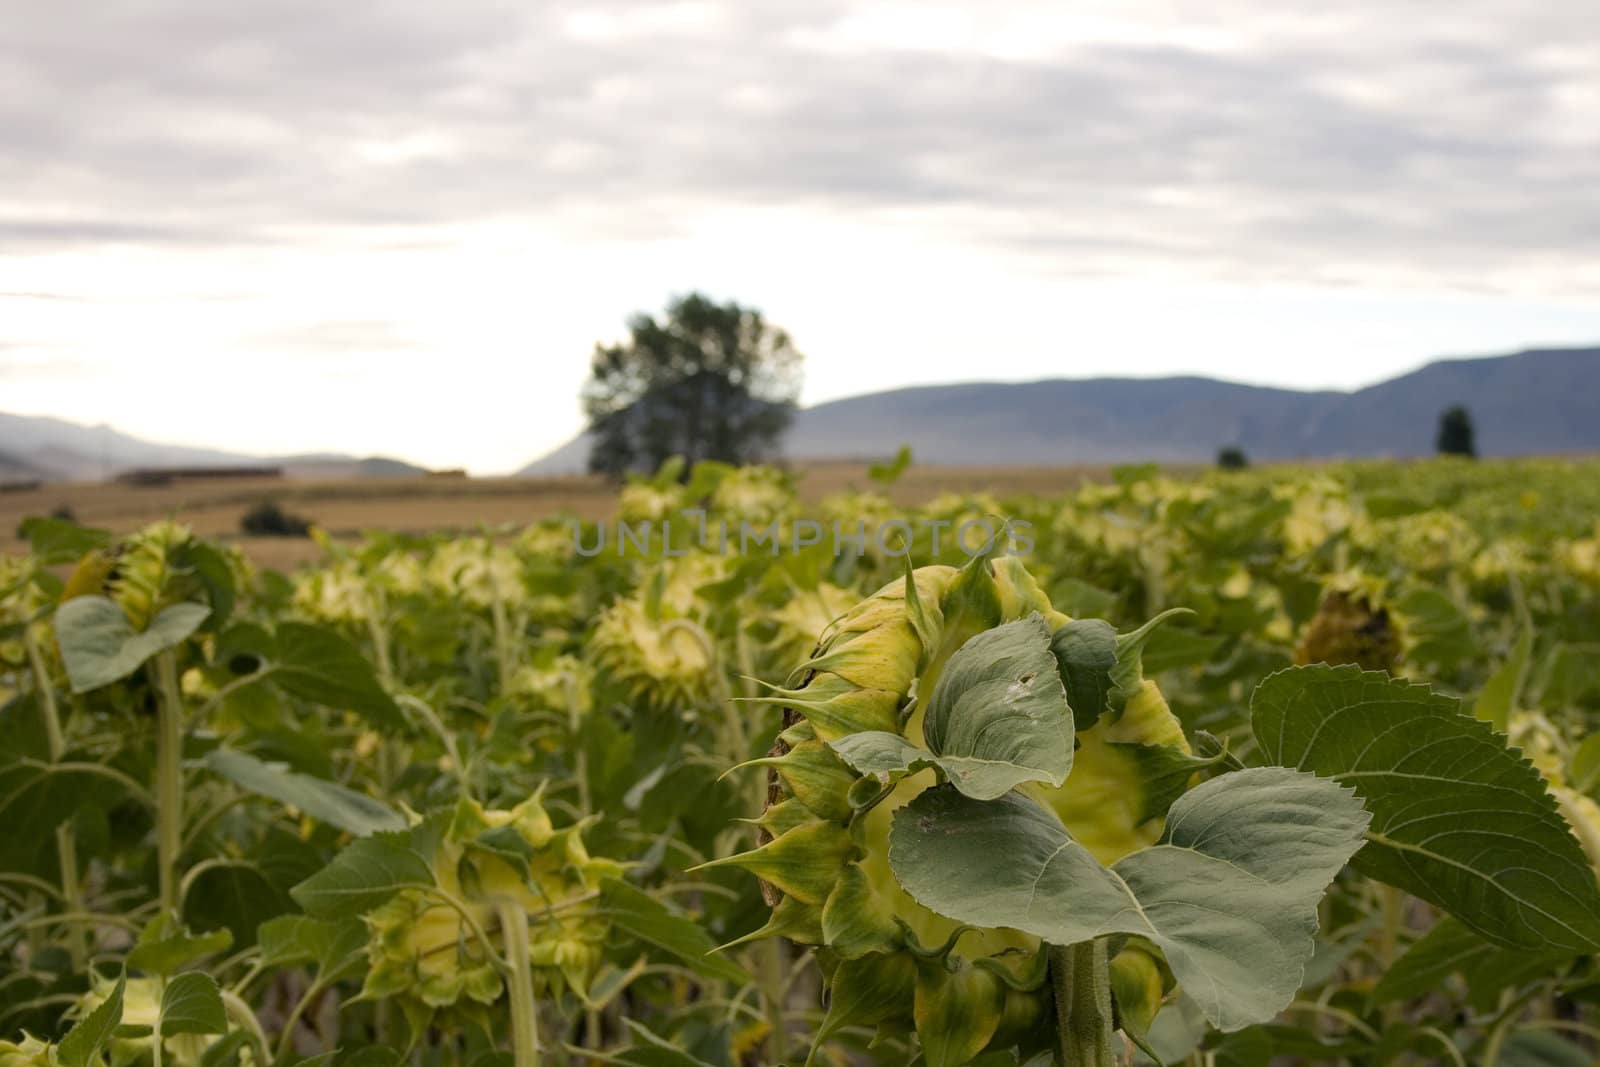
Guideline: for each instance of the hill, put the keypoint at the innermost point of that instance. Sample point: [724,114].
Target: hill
[56,450]
[1538,401]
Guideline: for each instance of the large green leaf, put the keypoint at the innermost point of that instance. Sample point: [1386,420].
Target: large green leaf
[1458,819]
[100,646]
[36,797]
[325,801]
[365,875]
[1229,895]
[647,919]
[315,663]
[998,717]
[192,1004]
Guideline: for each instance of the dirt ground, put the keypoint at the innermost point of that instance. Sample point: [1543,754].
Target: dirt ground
[417,505]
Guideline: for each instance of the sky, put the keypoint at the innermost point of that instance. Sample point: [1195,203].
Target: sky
[399,228]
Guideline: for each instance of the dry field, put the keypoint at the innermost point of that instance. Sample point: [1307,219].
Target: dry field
[346,508]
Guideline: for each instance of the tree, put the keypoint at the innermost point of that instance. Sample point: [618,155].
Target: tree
[1232,458]
[706,381]
[1456,437]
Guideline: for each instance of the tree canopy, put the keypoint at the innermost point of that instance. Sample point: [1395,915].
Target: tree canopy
[1456,436]
[704,381]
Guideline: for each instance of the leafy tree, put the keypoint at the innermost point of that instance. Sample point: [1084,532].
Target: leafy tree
[1232,458]
[1456,437]
[705,381]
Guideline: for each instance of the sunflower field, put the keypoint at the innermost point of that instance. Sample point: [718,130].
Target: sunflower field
[1288,765]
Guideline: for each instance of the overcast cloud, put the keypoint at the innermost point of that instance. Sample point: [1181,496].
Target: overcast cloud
[467,195]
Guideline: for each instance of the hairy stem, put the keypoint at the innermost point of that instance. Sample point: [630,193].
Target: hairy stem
[66,840]
[524,1008]
[504,652]
[169,777]
[1081,980]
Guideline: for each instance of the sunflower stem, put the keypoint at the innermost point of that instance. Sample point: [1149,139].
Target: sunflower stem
[169,778]
[66,839]
[1081,980]
[524,1007]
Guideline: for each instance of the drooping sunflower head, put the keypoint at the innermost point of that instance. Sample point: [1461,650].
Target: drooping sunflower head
[824,862]
[478,572]
[654,644]
[1353,624]
[422,949]
[753,494]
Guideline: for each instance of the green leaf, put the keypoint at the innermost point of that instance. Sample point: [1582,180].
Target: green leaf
[60,541]
[1571,674]
[881,752]
[192,1004]
[866,990]
[365,875]
[998,717]
[82,1044]
[99,646]
[1451,948]
[324,801]
[316,664]
[1086,653]
[1439,630]
[1229,895]
[238,895]
[1128,673]
[647,919]
[163,950]
[1458,819]
[1499,697]
[1170,648]
[294,939]
[37,797]
[1584,771]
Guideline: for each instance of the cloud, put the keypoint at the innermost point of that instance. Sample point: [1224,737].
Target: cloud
[1248,142]
[350,337]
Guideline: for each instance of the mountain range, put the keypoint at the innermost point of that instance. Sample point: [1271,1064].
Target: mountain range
[1533,402]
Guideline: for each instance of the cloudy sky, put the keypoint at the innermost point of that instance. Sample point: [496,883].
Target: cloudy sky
[399,226]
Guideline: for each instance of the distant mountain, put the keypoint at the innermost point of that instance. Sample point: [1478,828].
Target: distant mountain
[1539,401]
[55,450]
